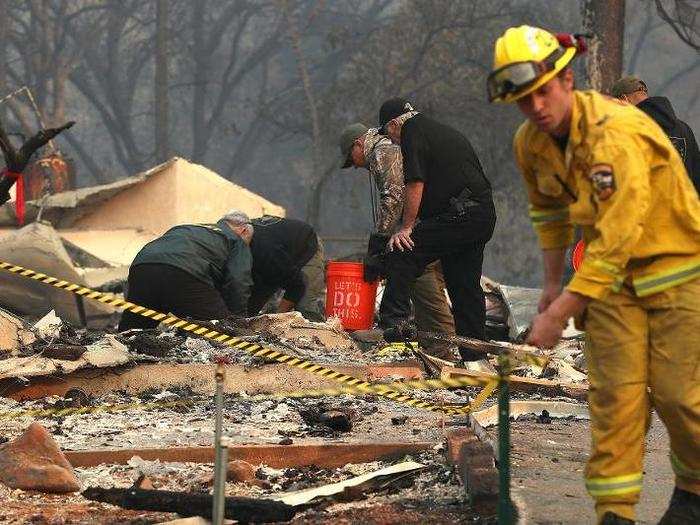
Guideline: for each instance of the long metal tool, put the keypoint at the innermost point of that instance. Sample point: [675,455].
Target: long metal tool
[518,352]
[505,509]
[220,452]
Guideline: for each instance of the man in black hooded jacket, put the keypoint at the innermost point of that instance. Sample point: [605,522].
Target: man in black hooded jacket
[635,91]
[288,254]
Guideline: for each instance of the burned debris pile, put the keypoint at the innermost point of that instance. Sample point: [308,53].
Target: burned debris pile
[119,426]
[98,394]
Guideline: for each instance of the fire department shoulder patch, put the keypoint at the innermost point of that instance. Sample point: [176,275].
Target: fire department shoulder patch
[603,180]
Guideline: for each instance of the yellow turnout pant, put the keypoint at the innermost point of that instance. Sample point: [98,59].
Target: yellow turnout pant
[642,352]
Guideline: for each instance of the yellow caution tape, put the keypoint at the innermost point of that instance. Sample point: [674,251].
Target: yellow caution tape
[516,356]
[397,348]
[69,411]
[252,348]
[481,398]
[416,384]
[489,383]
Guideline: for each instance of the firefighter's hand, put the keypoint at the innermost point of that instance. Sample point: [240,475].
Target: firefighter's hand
[401,240]
[545,331]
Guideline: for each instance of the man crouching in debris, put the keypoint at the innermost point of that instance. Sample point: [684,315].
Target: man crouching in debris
[287,254]
[448,215]
[364,147]
[592,161]
[201,271]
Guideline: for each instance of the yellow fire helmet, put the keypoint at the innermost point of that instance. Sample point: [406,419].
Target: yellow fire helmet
[525,58]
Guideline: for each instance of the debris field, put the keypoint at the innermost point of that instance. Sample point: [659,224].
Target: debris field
[135,411]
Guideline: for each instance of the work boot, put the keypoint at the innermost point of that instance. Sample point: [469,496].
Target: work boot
[467,354]
[684,509]
[401,332]
[610,518]
[444,351]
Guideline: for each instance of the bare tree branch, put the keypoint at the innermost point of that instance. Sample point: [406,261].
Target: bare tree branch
[684,18]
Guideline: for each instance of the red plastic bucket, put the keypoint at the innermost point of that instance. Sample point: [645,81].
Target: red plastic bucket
[577,255]
[348,296]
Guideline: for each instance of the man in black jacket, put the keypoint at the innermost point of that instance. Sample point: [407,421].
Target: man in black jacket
[287,254]
[448,213]
[635,91]
[201,271]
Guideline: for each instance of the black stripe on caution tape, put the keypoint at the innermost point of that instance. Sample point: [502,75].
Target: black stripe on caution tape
[252,348]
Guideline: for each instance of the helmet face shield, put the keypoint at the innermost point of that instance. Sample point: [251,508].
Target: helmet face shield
[517,76]
[512,78]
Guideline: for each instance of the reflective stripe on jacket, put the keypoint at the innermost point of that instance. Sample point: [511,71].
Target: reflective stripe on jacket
[647,231]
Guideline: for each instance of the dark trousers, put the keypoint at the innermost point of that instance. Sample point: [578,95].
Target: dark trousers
[460,248]
[432,313]
[167,289]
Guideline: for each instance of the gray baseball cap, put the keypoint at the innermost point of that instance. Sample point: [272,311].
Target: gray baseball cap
[347,138]
[627,85]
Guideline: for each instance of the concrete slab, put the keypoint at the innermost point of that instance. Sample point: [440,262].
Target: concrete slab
[331,455]
[556,409]
[199,377]
[547,468]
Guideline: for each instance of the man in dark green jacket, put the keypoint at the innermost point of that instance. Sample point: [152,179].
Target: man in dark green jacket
[200,271]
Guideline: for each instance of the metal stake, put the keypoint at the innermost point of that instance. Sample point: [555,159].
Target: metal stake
[505,511]
[220,451]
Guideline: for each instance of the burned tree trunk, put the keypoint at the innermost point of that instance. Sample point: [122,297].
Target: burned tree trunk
[605,20]
[4,44]
[244,510]
[311,105]
[161,82]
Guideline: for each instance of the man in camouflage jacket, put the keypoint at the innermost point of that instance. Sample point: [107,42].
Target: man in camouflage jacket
[365,148]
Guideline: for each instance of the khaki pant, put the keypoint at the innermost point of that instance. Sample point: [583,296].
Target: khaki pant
[312,303]
[430,304]
[642,353]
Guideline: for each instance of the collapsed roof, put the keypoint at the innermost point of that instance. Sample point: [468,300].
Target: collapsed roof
[113,221]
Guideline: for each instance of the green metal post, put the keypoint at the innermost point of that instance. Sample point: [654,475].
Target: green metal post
[505,511]
[220,452]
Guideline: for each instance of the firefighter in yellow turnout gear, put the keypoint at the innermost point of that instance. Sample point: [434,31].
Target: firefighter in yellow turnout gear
[592,161]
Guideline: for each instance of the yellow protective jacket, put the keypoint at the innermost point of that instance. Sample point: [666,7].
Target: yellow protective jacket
[624,183]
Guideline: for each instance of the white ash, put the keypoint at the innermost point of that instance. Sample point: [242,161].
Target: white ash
[245,421]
